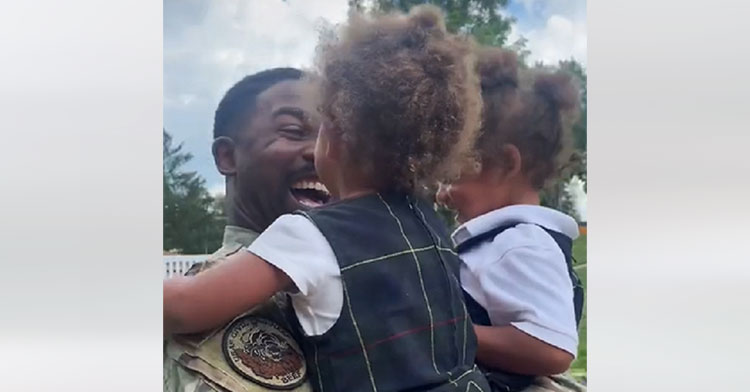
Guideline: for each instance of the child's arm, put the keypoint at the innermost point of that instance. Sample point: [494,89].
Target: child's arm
[510,349]
[215,296]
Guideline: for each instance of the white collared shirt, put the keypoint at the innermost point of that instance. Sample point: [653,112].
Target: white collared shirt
[293,244]
[520,276]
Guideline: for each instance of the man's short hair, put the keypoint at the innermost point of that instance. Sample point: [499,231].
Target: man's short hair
[233,108]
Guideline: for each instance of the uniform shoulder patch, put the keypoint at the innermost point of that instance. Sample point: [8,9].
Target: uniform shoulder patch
[264,353]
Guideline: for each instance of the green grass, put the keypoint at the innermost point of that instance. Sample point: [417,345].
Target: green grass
[578,369]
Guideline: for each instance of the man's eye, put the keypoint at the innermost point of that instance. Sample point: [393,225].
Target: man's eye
[294,131]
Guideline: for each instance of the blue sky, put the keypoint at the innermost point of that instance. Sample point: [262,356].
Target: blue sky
[209,45]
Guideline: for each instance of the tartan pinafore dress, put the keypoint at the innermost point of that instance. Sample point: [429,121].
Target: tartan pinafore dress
[403,324]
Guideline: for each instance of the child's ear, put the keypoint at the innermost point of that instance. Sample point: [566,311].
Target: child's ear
[223,150]
[512,160]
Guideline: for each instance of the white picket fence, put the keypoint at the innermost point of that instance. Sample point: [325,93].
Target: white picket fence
[175,265]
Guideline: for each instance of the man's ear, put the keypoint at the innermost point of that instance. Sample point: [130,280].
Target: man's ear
[223,150]
[512,162]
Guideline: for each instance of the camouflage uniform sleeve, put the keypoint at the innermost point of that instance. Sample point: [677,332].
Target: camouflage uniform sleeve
[197,363]
[557,383]
[200,267]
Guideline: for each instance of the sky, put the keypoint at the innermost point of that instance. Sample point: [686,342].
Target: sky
[211,44]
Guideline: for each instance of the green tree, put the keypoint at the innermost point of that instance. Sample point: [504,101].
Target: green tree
[579,130]
[191,223]
[555,194]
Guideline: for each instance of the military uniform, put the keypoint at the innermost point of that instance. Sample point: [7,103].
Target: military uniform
[559,383]
[255,352]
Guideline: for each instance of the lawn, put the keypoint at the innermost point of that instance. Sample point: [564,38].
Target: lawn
[578,369]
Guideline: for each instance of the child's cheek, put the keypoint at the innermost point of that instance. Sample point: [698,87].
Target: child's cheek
[443,195]
[466,199]
[456,195]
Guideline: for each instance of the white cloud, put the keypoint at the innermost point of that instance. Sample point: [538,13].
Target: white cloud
[560,32]
[560,39]
[530,5]
[211,44]
[226,40]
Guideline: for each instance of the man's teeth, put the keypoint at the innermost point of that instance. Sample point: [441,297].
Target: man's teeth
[316,185]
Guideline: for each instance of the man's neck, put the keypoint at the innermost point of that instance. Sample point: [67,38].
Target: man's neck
[235,217]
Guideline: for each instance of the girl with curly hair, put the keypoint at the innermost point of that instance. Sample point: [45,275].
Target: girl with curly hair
[521,290]
[372,279]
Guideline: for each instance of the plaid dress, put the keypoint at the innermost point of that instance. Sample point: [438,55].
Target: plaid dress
[403,324]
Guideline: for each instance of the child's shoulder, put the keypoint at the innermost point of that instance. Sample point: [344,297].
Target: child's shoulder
[525,226]
[523,235]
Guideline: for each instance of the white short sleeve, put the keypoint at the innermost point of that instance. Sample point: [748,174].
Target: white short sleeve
[530,289]
[294,245]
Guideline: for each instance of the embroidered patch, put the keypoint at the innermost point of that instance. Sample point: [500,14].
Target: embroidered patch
[264,353]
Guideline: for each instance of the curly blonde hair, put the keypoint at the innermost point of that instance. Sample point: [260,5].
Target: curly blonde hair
[404,94]
[532,109]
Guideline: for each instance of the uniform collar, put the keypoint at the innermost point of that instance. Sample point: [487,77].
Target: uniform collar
[235,238]
[542,216]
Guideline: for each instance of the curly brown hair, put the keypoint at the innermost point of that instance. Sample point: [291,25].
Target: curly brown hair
[404,94]
[532,109]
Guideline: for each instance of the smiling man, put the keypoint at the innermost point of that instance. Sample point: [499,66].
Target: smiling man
[264,136]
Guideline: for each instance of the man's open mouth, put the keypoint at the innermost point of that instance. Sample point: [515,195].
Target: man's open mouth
[310,193]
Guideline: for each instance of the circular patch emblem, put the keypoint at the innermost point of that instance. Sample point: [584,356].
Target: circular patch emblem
[264,353]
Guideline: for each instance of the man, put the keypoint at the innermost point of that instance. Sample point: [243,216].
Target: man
[265,129]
